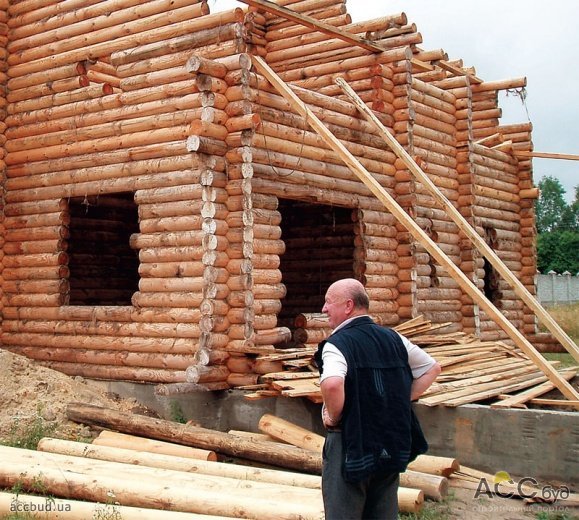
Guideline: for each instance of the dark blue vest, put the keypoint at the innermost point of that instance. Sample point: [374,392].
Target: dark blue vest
[380,432]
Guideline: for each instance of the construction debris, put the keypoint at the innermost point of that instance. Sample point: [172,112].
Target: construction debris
[472,370]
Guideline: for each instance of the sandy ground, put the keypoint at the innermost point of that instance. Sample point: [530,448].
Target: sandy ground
[34,395]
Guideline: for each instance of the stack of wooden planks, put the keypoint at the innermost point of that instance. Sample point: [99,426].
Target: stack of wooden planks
[472,370]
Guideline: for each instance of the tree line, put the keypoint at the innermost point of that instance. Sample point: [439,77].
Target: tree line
[557,228]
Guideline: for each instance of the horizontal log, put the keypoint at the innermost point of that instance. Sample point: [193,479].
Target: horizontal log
[102,145]
[106,130]
[107,372]
[96,49]
[388,56]
[86,328]
[142,70]
[151,360]
[198,437]
[116,107]
[178,463]
[79,510]
[207,29]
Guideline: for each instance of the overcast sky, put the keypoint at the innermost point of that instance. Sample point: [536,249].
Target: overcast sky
[531,38]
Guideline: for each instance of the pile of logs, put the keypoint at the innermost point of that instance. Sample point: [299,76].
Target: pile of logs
[124,473]
[472,370]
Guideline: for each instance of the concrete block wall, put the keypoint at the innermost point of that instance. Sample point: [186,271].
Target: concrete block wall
[553,288]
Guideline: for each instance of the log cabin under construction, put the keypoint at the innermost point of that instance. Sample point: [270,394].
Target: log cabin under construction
[168,214]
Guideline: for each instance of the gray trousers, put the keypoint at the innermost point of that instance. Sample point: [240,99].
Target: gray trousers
[375,498]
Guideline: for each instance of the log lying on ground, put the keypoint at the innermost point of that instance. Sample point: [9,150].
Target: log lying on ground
[132,442]
[189,435]
[433,485]
[444,466]
[154,460]
[290,433]
[74,477]
[11,503]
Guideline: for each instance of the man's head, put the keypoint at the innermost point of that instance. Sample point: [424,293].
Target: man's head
[345,299]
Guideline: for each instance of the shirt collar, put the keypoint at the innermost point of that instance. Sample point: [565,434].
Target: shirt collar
[349,320]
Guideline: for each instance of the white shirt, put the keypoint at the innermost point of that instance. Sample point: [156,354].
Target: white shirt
[335,363]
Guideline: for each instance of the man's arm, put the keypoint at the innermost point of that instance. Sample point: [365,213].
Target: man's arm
[332,389]
[422,383]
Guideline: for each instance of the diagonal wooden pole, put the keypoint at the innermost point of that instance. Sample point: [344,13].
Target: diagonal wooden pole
[520,290]
[415,230]
[313,23]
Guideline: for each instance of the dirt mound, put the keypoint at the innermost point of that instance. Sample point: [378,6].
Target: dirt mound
[36,397]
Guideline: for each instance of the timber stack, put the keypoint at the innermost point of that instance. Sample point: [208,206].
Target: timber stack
[168,214]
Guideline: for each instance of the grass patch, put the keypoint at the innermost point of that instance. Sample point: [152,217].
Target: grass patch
[176,413]
[553,516]
[566,317]
[431,511]
[565,360]
[26,434]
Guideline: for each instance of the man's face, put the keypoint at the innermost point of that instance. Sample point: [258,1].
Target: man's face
[336,307]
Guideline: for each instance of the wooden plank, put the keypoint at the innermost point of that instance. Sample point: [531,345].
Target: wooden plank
[532,393]
[444,65]
[289,376]
[475,238]
[547,155]
[314,24]
[553,402]
[496,389]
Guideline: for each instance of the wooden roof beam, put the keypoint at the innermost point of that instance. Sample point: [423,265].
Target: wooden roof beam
[314,24]
[457,71]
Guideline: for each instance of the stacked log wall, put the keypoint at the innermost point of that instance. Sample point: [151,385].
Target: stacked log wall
[290,161]
[125,130]
[103,100]
[471,259]
[299,60]
[407,256]
[426,126]
[496,209]
[520,137]
[4,16]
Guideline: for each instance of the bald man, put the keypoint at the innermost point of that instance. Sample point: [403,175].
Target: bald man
[368,377]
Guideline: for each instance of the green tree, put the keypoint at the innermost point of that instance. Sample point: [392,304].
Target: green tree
[550,206]
[570,218]
[558,251]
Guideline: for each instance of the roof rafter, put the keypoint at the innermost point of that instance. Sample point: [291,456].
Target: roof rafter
[314,24]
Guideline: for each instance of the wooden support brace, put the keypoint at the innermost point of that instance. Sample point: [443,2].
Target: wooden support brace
[488,252]
[547,155]
[417,232]
[314,24]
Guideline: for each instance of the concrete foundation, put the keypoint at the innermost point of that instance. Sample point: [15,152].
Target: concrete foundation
[540,444]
